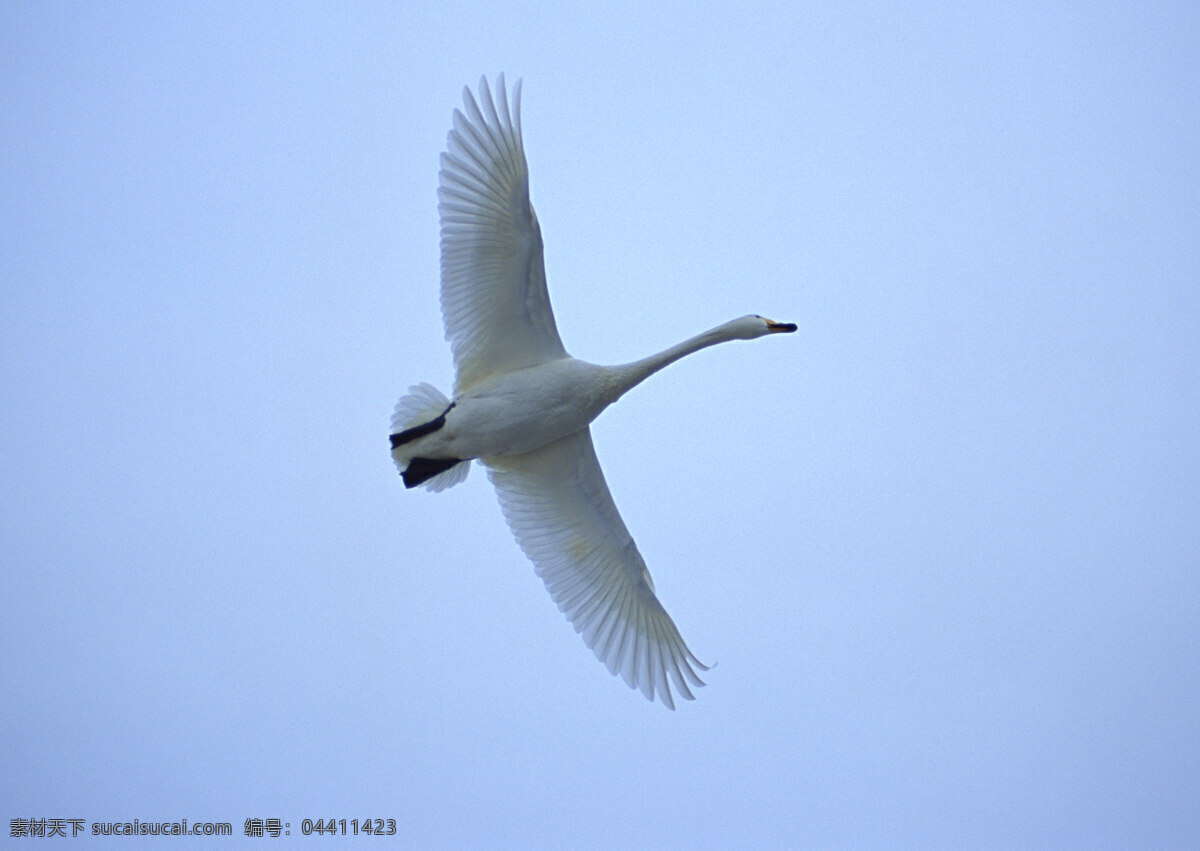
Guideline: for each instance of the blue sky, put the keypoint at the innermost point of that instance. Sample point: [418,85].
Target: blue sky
[942,542]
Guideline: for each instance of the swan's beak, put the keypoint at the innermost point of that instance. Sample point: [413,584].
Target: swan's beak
[780,327]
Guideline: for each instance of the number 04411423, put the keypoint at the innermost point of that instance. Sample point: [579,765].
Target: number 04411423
[349,827]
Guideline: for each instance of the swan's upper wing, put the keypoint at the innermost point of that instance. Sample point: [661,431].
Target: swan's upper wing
[494,299]
[559,508]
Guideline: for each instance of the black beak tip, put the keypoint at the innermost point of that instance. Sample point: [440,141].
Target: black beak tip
[784,327]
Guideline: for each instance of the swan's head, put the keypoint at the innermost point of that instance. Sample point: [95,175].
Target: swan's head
[752,326]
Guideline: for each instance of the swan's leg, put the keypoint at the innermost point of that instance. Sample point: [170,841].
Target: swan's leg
[409,434]
[421,470]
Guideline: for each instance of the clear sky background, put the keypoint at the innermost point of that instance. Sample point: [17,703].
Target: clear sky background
[943,543]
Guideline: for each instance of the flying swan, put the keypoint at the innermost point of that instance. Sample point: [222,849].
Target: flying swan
[522,405]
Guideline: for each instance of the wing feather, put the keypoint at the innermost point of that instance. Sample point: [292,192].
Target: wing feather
[494,300]
[560,510]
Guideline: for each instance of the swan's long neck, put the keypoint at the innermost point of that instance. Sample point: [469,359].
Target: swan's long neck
[629,375]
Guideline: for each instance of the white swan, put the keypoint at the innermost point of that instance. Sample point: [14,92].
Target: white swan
[522,405]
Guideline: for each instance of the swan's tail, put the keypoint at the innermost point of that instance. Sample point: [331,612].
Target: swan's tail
[420,412]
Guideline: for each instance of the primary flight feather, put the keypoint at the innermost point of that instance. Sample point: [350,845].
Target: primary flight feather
[522,405]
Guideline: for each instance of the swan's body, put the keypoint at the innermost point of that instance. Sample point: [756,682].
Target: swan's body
[515,412]
[522,405]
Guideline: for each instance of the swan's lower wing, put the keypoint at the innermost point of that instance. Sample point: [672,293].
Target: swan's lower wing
[559,508]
